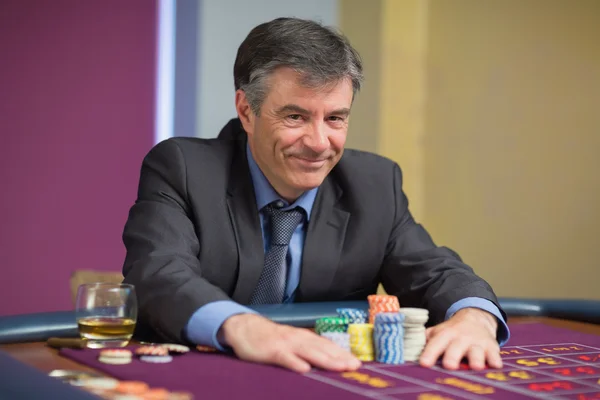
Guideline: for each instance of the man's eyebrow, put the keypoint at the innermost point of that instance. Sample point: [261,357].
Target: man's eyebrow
[292,108]
[342,111]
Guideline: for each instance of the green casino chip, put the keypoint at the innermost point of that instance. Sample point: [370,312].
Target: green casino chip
[331,324]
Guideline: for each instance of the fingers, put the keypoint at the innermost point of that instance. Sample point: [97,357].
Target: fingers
[288,359]
[436,346]
[455,352]
[493,357]
[456,347]
[324,360]
[323,353]
[335,352]
[428,333]
[476,356]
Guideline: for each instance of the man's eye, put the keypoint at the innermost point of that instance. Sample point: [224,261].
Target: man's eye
[335,118]
[295,117]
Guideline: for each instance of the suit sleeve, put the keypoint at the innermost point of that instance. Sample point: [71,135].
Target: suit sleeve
[422,274]
[162,247]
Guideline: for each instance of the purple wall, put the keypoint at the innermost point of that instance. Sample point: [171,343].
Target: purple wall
[76,119]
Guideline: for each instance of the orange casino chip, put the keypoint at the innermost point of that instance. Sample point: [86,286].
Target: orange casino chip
[382,304]
[156,394]
[385,308]
[180,396]
[205,349]
[382,299]
[132,387]
[381,308]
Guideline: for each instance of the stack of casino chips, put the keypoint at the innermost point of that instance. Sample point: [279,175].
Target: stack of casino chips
[160,354]
[388,337]
[334,329]
[115,356]
[392,335]
[361,341]
[353,315]
[342,339]
[414,332]
[382,304]
[331,324]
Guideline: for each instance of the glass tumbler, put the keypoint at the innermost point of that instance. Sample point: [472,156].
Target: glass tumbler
[106,314]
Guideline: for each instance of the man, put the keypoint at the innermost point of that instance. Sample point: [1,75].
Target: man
[276,211]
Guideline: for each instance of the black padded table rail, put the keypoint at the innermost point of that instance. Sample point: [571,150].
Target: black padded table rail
[39,385]
[41,326]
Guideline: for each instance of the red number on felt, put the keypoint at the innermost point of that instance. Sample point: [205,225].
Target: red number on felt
[586,370]
[592,396]
[563,371]
[549,387]
[580,370]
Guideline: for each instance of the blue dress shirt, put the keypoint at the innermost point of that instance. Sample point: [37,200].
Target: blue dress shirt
[203,326]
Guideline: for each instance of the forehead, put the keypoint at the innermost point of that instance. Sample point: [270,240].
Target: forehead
[287,86]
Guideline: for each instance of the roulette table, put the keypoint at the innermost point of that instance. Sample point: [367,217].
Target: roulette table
[546,358]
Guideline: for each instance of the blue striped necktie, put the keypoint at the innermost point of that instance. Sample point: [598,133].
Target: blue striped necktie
[272,282]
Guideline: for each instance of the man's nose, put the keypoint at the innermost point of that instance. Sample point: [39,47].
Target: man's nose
[316,139]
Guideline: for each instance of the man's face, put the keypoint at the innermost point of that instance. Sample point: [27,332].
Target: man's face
[300,133]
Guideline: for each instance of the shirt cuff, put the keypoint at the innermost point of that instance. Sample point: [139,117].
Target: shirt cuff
[503,333]
[204,324]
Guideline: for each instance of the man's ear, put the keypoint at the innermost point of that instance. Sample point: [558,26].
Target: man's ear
[244,111]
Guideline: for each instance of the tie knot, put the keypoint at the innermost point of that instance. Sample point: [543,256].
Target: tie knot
[283,223]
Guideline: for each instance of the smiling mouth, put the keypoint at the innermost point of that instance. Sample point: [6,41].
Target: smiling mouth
[311,160]
[308,162]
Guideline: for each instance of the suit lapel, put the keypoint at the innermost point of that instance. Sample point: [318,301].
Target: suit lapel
[323,244]
[243,212]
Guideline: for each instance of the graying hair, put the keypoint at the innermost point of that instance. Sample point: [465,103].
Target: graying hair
[320,54]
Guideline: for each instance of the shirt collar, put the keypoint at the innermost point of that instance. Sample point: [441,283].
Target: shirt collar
[265,194]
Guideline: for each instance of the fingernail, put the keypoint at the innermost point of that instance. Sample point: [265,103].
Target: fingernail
[353,363]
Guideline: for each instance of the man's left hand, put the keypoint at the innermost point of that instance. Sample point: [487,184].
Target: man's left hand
[470,333]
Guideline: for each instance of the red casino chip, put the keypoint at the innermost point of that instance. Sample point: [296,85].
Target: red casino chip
[151,351]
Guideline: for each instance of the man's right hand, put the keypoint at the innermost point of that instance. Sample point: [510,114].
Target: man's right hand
[257,339]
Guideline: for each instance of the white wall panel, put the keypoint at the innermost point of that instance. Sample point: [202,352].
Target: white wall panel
[223,25]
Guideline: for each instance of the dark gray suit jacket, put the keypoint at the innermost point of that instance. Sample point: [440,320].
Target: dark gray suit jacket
[194,236]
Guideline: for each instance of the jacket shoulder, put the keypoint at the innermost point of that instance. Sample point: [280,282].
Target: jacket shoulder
[368,181]
[195,151]
[367,158]
[362,167]
[192,144]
